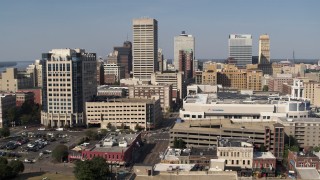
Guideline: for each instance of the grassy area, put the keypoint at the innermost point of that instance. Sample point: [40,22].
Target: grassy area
[40,176]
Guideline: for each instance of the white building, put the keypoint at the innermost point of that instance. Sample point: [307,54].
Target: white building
[35,70]
[114,69]
[240,49]
[69,80]
[242,107]
[183,42]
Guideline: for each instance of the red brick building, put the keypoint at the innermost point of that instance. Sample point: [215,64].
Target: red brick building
[264,163]
[22,97]
[37,94]
[115,149]
[303,159]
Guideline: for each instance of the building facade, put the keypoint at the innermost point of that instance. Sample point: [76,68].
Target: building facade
[69,80]
[264,49]
[22,97]
[148,91]
[128,112]
[12,80]
[145,48]
[183,42]
[35,70]
[240,49]
[6,102]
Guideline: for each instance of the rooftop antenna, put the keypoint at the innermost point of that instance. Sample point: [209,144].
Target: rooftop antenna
[127,36]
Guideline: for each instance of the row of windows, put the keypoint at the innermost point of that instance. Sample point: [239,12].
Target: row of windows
[235,154]
[237,162]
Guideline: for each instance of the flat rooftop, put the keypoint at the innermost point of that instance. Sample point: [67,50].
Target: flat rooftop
[235,142]
[214,125]
[119,100]
[113,141]
[310,120]
[263,155]
[234,98]
[308,173]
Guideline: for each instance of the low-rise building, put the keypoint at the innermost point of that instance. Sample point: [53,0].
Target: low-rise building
[130,112]
[22,97]
[303,159]
[114,148]
[111,91]
[264,163]
[204,133]
[147,91]
[37,94]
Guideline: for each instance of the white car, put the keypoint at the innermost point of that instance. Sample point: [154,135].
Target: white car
[42,129]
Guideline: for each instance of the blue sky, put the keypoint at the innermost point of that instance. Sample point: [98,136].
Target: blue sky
[31,27]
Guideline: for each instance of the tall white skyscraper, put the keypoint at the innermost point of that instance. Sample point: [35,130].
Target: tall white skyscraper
[145,48]
[240,49]
[183,42]
[264,49]
[69,80]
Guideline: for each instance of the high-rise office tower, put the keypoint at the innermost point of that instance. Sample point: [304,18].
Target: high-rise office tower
[69,80]
[240,49]
[160,59]
[35,70]
[186,63]
[145,48]
[264,49]
[183,42]
[125,57]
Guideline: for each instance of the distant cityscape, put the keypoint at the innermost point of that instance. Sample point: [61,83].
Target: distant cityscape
[145,116]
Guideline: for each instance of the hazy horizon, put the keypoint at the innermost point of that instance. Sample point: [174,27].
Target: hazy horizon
[29,28]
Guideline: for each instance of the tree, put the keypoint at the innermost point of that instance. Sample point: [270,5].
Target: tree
[3,161]
[262,148]
[91,134]
[265,88]
[316,149]
[138,127]
[97,168]
[4,132]
[179,143]
[109,125]
[60,153]
[25,119]
[17,166]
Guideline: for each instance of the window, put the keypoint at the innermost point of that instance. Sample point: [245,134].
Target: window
[244,162]
[248,162]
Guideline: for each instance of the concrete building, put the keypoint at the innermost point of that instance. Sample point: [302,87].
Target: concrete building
[12,80]
[303,159]
[145,48]
[204,133]
[176,79]
[113,73]
[240,49]
[312,92]
[209,74]
[125,57]
[160,60]
[276,82]
[183,42]
[237,152]
[100,72]
[305,130]
[6,102]
[254,80]
[112,91]
[148,91]
[129,112]
[242,107]
[35,70]
[69,80]
[264,49]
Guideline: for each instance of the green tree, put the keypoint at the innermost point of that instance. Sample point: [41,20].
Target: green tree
[4,132]
[316,149]
[60,153]
[6,172]
[265,88]
[17,166]
[26,119]
[262,148]
[138,127]
[91,134]
[3,161]
[179,143]
[97,168]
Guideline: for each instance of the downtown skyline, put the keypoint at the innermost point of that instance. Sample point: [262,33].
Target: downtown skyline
[29,28]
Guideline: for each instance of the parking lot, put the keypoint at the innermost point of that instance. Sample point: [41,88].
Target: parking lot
[35,145]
